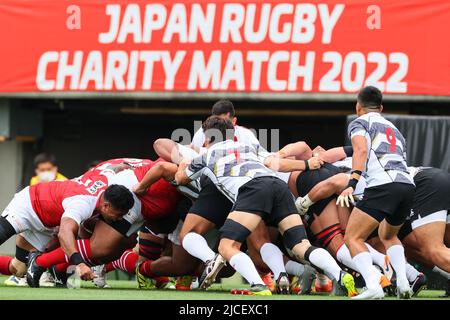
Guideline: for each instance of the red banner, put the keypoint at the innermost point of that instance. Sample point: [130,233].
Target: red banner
[402,47]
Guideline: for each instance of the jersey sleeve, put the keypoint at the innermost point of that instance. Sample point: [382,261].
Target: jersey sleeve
[358,127]
[197,166]
[199,138]
[247,136]
[187,152]
[79,208]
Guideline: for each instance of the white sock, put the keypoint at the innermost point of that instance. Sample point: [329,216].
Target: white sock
[411,272]
[343,256]
[377,257]
[294,268]
[197,247]
[443,273]
[244,265]
[396,254]
[273,258]
[364,263]
[323,260]
[306,202]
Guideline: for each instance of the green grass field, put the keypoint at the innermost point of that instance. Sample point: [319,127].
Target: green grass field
[127,290]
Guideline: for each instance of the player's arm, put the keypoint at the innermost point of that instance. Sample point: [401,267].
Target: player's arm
[300,150]
[67,238]
[188,171]
[336,154]
[167,150]
[358,166]
[165,170]
[289,165]
[76,210]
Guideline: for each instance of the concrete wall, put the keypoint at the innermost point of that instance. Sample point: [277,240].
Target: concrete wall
[11,159]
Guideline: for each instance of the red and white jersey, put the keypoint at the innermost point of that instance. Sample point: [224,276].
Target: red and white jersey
[56,199]
[161,198]
[98,178]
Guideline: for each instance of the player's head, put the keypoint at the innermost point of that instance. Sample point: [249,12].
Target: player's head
[45,167]
[370,99]
[115,202]
[224,109]
[217,129]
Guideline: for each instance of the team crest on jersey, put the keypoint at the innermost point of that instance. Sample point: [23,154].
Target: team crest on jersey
[94,188]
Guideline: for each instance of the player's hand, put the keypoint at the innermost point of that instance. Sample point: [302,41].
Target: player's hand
[85,272]
[346,197]
[318,150]
[137,189]
[314,163]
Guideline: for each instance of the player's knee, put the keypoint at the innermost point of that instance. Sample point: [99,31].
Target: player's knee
[232,230]
[227,247]
[294,236]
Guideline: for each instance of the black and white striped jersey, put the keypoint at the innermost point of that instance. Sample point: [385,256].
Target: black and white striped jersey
[230,165]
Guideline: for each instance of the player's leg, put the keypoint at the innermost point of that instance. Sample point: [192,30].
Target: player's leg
[149,247]
[296,241]
[360,226]
[13,220]
[327,229]
[431,236]
[329,234]
[390,227]
[264,253]
[344,215]
[105,245]
[395,252]
[234,232]
[209,211]
[295,238]
[191,236]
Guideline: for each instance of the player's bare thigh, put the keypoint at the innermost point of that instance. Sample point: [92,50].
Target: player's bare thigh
[195,223]
[359,227]
[107,244]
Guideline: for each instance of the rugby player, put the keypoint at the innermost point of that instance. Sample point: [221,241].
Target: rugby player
[225,109]
[211,208]
[208,203]
[276,206]
[37,211]
[159,202]
[379,151]
[342,157]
